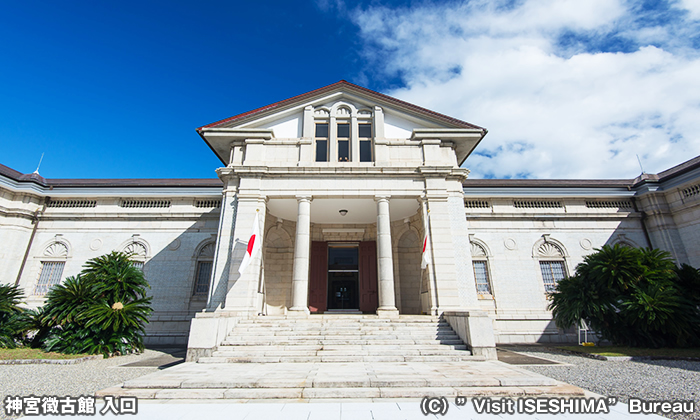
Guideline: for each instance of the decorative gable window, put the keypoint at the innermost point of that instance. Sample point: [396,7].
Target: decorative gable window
[343,133]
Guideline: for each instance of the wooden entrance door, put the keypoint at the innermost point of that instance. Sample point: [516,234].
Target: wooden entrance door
[318,277]
[368,277]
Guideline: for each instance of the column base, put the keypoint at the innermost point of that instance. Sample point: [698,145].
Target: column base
[298,312]
[387,312]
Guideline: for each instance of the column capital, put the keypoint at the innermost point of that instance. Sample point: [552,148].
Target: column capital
[307,198]
[384,197]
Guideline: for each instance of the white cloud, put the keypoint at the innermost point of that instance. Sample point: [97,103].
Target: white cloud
[554,109]
[693,7]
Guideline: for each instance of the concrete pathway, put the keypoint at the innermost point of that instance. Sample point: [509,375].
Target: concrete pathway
[306,381]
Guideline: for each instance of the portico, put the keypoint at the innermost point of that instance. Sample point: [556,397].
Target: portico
[342,181]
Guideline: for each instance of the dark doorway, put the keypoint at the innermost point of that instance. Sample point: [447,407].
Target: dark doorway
[346,268]
[343,275]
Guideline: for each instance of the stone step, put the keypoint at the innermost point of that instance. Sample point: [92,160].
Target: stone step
[323,342]
[341,347]
[335,336]
[228,352]
[365,328]
[340,320]
[340,359]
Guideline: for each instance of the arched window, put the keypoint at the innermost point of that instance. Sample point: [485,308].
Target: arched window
[138,253]
[53,261]
[481,270]
[343,134]
[205,262]
[552,261]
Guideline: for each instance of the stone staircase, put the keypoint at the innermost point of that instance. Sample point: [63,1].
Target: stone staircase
[341,339]
[330,357]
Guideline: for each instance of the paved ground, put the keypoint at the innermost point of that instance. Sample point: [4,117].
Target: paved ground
[86,378]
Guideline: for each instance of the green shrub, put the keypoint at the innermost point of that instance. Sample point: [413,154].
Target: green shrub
[10,315]
[631,296]
[102,310]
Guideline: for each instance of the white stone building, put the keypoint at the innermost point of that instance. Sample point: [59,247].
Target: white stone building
[342,180]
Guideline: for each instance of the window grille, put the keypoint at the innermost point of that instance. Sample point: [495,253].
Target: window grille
[145,203]
[51,272]
[481,274]
[691,191]
[138,264]
[537,204]
[609,204]
[552,273]
[208,203]
[201,287]
[477,204]
[72,203]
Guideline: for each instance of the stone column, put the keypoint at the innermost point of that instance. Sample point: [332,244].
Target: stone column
[302,245]
[387,299]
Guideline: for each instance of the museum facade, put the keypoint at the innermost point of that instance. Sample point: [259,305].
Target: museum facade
[364,206]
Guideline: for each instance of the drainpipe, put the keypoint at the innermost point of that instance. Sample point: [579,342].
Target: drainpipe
[35,220]
[642,221]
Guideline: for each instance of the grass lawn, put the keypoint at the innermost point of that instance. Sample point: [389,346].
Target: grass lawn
[633,351]
[29,353]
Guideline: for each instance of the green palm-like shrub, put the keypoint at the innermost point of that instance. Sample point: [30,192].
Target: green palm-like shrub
[102,310]
[10,315]
[631,296]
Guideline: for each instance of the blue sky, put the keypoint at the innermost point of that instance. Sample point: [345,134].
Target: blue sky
[567,89]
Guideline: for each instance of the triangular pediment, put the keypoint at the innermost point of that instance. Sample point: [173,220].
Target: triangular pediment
[285,119]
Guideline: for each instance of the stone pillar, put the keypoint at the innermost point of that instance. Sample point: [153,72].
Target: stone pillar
[302,244]
[387,299]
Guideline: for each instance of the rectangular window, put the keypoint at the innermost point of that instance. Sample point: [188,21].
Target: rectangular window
[343,131]
[322,142]
[481,274]
[201,287]
[552,273]
[322,130]
[365,150]
[343,150]
[51,272]
[343,142]
[365,131]
[365,135]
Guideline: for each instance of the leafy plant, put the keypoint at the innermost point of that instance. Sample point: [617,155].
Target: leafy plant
[10,315]
[102,310]
[631,296]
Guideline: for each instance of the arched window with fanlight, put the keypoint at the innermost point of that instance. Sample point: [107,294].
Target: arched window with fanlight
[481,269]
[138,253]
[205,263]
[552,261]
[53,261]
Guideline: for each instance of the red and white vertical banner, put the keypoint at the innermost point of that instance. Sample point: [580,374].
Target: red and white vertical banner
[425,260]
[254,245]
